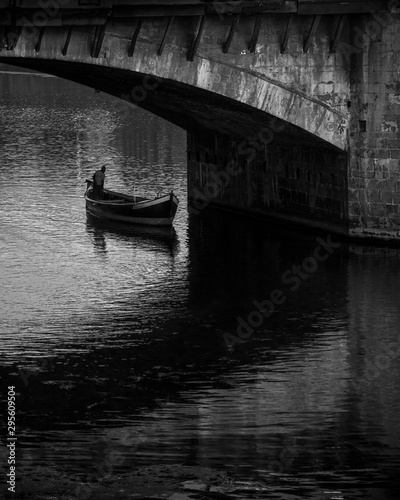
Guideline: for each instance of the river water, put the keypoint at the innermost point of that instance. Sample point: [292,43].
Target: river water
[130,340]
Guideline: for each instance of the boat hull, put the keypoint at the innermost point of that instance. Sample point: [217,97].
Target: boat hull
[158,212]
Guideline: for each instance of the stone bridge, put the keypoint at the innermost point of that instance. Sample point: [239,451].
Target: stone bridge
[291,106]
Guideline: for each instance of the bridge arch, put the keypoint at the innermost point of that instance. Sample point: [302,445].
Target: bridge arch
[205,94]
[317,79]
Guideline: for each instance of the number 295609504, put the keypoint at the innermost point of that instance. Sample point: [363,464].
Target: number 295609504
[11,411]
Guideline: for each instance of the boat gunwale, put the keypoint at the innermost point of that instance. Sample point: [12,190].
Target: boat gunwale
[127,203]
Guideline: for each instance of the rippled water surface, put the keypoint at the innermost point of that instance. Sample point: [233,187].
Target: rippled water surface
[128,339]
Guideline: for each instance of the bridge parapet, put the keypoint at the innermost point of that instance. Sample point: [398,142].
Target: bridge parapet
[70,12]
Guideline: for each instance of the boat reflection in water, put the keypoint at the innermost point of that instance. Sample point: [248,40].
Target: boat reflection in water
[151,238]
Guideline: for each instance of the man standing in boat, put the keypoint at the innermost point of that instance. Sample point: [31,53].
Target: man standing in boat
[98,183]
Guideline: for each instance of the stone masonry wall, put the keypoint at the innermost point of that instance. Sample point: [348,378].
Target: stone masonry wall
[374,174]
[297,183]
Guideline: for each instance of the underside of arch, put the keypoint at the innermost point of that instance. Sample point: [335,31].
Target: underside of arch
[192,108]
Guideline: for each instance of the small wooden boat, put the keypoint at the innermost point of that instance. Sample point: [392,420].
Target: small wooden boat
[159,211]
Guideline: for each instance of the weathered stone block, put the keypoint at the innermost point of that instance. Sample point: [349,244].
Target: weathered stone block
[386,196]
[375,196]
[394,218]
[380,153]
[391,209]
[354,209]
[357,174]
[359,183]
[394,143]
[394,153]
[378,209]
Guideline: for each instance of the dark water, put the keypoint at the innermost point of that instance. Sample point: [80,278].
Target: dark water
[117,339]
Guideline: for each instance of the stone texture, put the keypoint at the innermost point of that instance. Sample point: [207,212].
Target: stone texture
[375,82]
[275,179]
